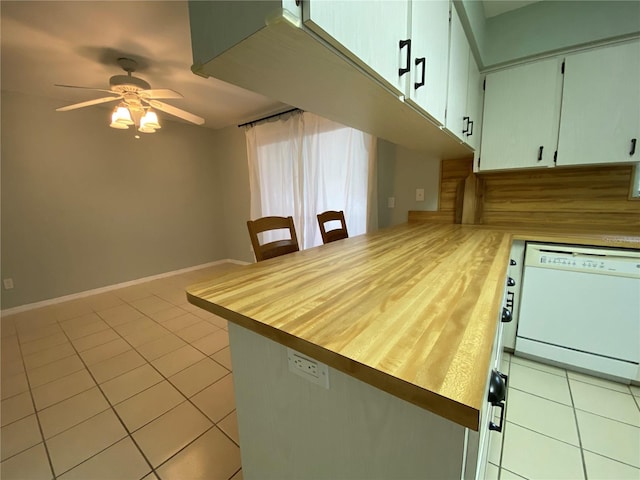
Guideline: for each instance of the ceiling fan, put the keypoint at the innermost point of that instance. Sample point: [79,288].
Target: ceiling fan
[136,99]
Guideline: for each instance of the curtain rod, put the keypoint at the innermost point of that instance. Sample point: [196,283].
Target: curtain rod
[269,117]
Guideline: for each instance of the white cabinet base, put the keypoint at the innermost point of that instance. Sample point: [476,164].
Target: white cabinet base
[291,428]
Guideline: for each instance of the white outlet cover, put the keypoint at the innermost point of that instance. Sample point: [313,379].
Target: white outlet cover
[308,368]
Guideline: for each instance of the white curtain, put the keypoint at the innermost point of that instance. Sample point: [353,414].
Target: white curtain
[302,164]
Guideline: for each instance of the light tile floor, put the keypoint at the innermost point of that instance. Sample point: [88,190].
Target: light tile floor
[136,383]
[565,425]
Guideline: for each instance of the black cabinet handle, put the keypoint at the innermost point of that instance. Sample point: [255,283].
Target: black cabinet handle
[465,119]
[512,262]
[540,153]
[510,300]
[493,426]
[405,43]
[506,315]
[470,132]
[633,146]
[422,61]
[511,282]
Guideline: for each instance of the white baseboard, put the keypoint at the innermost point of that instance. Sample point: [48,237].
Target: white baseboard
[108,288]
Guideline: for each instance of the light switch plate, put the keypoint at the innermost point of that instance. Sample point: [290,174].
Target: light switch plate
[419,194]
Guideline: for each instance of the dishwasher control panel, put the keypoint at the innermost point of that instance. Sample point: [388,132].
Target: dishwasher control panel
[580,259]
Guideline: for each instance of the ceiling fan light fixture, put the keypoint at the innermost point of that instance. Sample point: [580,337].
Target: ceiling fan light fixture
[123,115]
[146,129]
[114,121]
[135,97]
[150,120]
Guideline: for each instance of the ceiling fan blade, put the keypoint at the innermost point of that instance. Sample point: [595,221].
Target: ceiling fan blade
[84,88]
[160,93]
[189,117]
[87,103]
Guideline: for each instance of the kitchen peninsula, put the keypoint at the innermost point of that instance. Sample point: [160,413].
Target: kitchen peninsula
[406,320]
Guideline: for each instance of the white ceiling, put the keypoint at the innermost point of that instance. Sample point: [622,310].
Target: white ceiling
[78,43]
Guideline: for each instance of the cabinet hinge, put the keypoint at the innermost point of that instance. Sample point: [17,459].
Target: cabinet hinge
[450,12]
[478,163]
[562,69]
[555,157]
[484,84]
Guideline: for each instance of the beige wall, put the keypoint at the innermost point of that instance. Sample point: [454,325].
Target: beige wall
[236,201]
[85,206]
[400,173]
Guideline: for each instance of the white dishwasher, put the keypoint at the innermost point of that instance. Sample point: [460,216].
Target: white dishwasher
[580,307]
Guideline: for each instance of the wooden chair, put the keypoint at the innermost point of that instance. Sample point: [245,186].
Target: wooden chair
[272,249]
[335,234]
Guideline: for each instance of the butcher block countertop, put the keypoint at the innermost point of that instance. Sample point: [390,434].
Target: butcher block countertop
[411,310]
[573,235]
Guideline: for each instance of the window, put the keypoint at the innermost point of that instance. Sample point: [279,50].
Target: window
[303,164]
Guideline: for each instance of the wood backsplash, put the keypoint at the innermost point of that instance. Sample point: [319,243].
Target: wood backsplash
[589,198]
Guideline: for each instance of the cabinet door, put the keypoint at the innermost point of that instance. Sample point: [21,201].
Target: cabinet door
[427,85]
[369,32]
[475,97]
[601,106]
[458,79]
[521,116]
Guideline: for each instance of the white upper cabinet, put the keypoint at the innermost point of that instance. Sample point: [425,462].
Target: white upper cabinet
[426,83]
[374,34]
[521,116]
[601,106]
[475,101]
[464,95]
[459,53]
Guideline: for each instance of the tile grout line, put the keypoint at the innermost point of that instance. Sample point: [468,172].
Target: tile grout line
[115,413]
[575,417]
[59,322]
[541,397]
[607,418]
[635,399]
[112,407]
[614,460]
[504,430]
[130,434]
[544,434]
[187,399]
[35,410]
[537,367]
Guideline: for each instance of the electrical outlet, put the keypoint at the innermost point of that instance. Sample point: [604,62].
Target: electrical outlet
[307,367]
[419,194]
[8,283]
